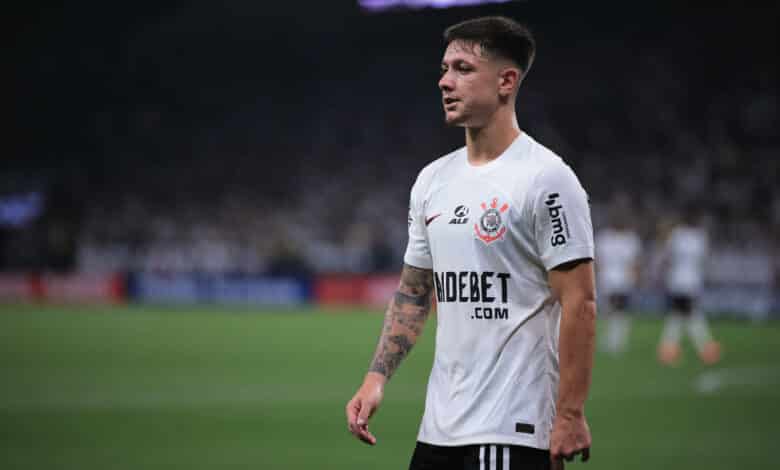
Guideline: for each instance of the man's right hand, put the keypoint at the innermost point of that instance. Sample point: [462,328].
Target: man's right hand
[364,404]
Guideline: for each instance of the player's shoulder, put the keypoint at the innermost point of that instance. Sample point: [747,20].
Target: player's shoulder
[548,165]
[429,173]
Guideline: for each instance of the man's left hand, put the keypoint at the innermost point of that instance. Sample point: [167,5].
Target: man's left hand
[570,436]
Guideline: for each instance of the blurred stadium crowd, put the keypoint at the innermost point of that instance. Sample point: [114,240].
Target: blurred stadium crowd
[296,157]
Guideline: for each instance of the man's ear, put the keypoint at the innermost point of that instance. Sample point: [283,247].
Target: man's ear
[509,81]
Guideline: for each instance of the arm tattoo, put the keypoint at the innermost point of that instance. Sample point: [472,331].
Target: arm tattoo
[404,319]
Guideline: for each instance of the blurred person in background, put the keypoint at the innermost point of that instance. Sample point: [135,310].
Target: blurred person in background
[618,249]
[685,252]
[500,230]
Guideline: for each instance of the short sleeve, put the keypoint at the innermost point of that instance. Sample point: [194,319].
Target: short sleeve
[561,217]
[418,252]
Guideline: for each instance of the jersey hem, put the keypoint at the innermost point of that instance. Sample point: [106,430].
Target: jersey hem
[486,439]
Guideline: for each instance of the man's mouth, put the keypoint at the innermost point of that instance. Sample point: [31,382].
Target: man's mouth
[449,102]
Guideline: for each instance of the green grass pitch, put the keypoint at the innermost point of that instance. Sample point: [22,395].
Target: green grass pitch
[217,388]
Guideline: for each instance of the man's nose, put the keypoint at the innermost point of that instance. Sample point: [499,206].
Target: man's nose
[445,82]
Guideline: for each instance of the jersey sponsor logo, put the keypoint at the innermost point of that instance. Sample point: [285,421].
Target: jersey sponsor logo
[490,313]
[560,226]
[460,215]
[431,219]
[525,428]
[484,287]
[491,225]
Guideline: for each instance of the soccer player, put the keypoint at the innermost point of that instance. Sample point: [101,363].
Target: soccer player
[500,232]
[685,253]
[618,247]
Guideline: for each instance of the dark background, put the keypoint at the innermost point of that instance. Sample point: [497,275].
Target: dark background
[298,128]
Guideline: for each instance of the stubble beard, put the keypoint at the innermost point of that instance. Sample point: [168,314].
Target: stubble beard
[459,120]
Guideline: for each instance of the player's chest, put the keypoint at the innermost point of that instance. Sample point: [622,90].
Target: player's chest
[462,215]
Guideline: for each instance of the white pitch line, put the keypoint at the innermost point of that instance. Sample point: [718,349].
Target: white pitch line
[754,376]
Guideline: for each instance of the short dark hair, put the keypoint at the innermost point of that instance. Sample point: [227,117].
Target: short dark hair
[497,35]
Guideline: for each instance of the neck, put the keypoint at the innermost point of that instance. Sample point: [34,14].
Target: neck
[485,144]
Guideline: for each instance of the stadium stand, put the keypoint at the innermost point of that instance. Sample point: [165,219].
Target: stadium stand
[263,175]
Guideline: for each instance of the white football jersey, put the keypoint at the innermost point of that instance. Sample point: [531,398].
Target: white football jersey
[687,249]
[491,233]
[617,252]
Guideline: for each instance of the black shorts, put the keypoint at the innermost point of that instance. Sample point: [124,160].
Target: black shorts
[479,457]
[681,303]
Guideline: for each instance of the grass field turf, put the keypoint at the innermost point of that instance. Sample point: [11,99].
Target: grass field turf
[212,388]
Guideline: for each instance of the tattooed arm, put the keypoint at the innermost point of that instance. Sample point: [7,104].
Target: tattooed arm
[404,322]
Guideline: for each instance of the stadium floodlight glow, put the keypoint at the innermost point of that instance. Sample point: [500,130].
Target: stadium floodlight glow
[380,5]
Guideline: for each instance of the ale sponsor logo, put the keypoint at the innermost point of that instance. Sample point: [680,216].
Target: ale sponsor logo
[461,212]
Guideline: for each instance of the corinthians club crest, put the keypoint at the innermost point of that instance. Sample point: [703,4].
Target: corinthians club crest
[491,225]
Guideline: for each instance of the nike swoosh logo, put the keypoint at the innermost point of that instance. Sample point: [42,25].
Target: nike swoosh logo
[431,219]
